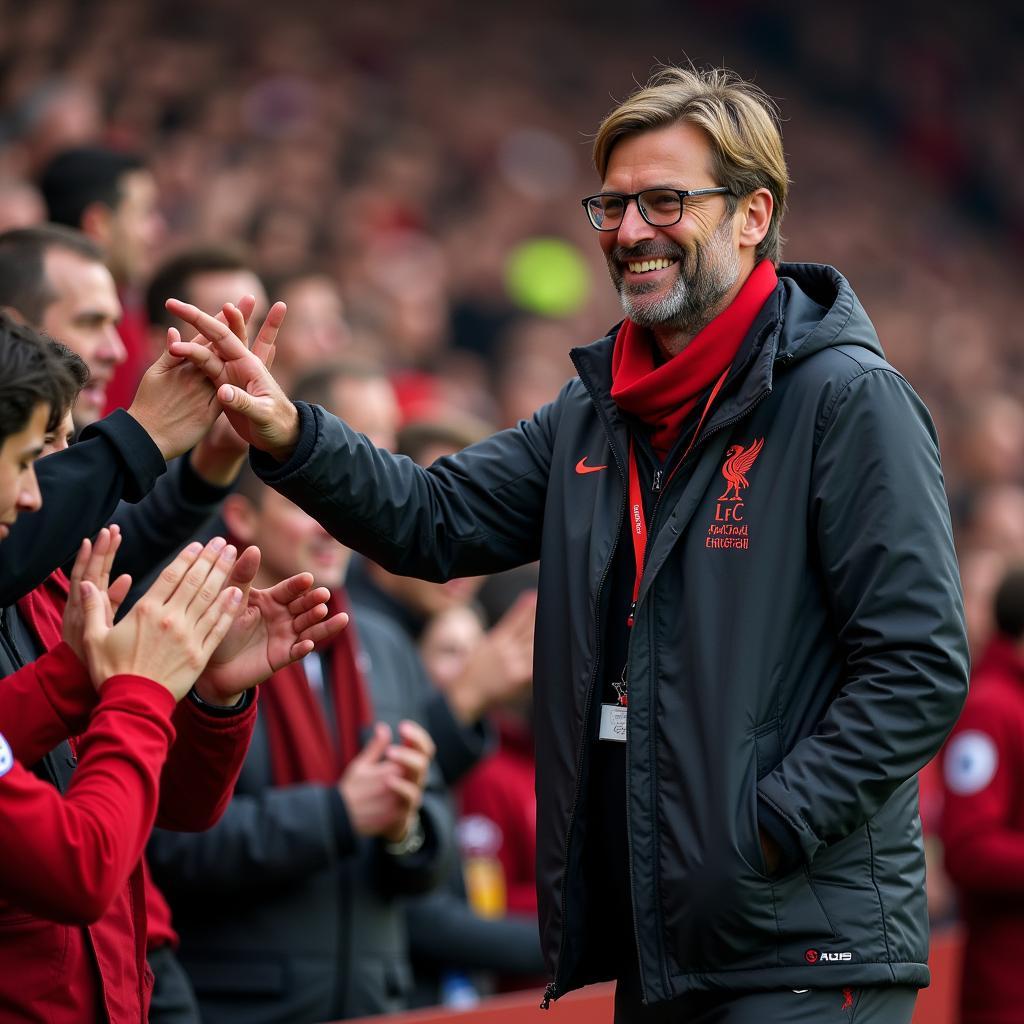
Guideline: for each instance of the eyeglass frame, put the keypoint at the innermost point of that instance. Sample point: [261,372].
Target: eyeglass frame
[683,193]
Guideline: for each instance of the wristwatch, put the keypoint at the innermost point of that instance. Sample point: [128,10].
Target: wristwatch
[411,842]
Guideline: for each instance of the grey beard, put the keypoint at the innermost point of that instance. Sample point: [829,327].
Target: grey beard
[706,274]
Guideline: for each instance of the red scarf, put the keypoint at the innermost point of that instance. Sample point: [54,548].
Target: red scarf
[302,747]
[663,396]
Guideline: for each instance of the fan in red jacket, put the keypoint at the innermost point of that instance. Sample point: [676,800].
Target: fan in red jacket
[983,818]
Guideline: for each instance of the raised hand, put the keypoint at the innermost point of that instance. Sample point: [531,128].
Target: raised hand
[412,758]
[253,401]
[367,788]
[276,627]
[93,565]
[173,629]
[175,403]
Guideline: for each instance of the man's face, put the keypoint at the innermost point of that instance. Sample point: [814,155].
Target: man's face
[291,541]
[19,491]
[369,405]
[137,228]
[702,248]
[315,329]
[84,316]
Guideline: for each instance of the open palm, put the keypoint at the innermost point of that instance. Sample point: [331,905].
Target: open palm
[279,625]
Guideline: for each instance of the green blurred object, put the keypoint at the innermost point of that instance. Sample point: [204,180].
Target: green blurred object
[547,276]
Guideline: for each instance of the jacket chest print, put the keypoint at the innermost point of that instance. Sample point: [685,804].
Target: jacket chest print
[729,528]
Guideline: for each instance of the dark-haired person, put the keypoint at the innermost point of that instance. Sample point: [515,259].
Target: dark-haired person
[983,815]
[112,198]
[750,630]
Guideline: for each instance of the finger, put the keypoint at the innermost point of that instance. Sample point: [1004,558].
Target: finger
[300,650]
[235,399]
[118,591]
[407,791]
[322,632]
[378,743]
[193,579]
[215,622]
[107,561]
[93,612]
[235,322]
[307,619]
[167,357]
[306,598]
[414,735]
[81,560]
[94,566]
[413,762]
[244,571]
[213,583]
[167,582]
[213,330]
[246,304]
[263,346]
[202,358]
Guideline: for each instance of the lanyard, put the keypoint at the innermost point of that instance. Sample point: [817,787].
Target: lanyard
[638,520]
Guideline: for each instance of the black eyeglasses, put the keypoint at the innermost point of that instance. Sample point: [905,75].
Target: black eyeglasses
[660,207]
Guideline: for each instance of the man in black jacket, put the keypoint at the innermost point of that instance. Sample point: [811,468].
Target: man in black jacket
[750,630]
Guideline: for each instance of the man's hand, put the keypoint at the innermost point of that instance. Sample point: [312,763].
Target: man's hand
[500,667]
[366,787]
[254,403]
[413,759]
[93,565]
[276,627]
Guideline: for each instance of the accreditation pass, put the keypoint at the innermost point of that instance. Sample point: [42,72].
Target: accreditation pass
[613,723]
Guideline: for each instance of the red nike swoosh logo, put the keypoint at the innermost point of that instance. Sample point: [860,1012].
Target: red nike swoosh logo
[582,467]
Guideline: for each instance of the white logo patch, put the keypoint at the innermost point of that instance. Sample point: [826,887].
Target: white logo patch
[971,762]
[6,757]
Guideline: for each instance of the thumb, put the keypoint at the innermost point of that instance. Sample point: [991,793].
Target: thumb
[379,741]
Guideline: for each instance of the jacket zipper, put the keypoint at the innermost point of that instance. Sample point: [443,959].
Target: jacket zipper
[551,991]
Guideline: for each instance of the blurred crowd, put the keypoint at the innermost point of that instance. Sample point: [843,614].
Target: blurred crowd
[407,178]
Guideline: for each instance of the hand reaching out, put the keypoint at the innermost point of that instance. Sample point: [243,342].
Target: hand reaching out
[276,627]
[254,402]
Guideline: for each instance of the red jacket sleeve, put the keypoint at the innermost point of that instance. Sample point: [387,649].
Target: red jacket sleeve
[65,856]
[203,766]
[45,702]
[981,827]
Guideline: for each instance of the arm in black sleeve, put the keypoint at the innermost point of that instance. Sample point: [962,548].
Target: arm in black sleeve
[166,519]
[274,836]
[478,511]
[115,459]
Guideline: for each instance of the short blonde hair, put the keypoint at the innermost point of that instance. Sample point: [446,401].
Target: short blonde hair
[741,122]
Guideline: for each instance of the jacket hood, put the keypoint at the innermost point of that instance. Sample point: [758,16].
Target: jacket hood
[821,310]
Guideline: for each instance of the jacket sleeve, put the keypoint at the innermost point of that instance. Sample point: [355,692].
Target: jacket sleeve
[879,517]
[274,836]
[67,855]
[203,765]
[166,519]
[45,702]
[115,459]
[984,853]
[478,511]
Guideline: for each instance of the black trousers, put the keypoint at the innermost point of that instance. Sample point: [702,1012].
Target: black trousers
[891,1005]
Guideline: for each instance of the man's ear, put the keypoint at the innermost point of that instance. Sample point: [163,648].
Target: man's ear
[240,517]
[96,223]
[14,314]
[757,217]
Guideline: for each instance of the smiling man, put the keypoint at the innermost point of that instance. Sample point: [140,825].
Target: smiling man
[750,630]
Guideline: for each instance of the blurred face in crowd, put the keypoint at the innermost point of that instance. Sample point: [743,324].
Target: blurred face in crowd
[19,491]
[212,289]
[447,642]
[135,228]
[315,329]
[369,405]
[697,259]
[84,316]
[291,541]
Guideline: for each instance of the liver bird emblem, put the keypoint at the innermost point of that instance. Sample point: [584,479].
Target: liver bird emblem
[738,461]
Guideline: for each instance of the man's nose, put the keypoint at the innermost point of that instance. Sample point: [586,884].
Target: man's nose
[29,497]
[633,228]
[113,347]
